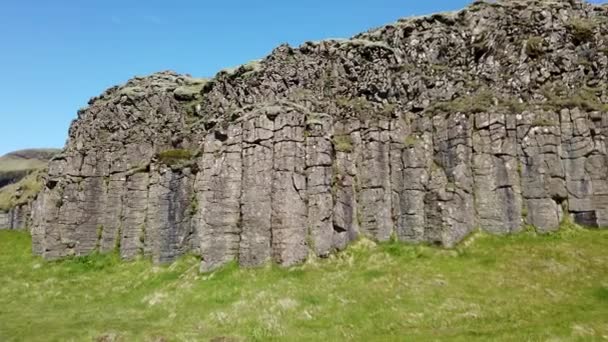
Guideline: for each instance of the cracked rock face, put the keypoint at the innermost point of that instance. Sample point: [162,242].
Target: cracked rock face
[17,218]
[493,117]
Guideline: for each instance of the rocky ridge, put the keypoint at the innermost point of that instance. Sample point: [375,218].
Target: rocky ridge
[494,117]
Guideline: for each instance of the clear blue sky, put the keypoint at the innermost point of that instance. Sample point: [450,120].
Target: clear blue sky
[57,54]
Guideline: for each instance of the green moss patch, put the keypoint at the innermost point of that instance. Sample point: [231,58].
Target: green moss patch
[343,143]
[535,47]
[175,156]
[584,98]
[582,30]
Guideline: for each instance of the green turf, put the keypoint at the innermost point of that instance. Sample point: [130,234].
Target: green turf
[21,192]
[26,160]
[519,288]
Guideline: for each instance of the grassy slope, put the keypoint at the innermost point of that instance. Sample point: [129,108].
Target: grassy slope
[21,192]
[26,159]
[524,287]
[10,164]
[19,170]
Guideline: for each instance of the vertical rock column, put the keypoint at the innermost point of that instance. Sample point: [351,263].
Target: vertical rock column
[256,208]
[411,161]
[43,228]
[37,221]
[449,208]
[344,182]
[19,217]
[543,177]
[375,181]
[133,232]
[113,212]
[218,188]
[319,178]
[496,173]
[4,220]
[170,212]
[83,227]
[584,160]
[597,164]
[289,208]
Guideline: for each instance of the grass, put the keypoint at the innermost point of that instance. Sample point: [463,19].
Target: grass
[525,287]
[343,143]
[191,90]
[478,102]
[16,165]
[584,98]
[245,70]
[411,140]
[21,192]
[175,156]
[534,47]
[557,97]
[26,160]
[358,104]
[582,30]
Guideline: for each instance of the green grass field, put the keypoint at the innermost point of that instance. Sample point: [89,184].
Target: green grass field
[519,288]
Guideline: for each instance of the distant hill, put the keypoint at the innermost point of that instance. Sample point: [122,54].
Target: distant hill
[16,165]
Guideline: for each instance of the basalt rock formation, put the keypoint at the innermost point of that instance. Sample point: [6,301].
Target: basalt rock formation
[492,118]
[18,217]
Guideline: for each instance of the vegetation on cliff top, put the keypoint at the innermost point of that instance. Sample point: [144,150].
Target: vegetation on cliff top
[16,165]
[523,287]
[21,192]
[26,159]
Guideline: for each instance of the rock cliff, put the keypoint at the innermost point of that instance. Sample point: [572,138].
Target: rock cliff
[492,118]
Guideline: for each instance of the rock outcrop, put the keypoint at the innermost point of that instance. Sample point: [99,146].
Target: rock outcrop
[17,218]
[18,201]
[493,117]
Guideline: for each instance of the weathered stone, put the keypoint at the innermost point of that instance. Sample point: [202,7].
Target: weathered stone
[219,193]
[133,220]
[111,225]
[256,204]
[374,178]
[5,222]
[289,209]
[423,131]
[344,185]
[496,169]
[169,215]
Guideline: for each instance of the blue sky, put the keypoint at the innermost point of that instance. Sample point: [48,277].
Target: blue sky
[57,54]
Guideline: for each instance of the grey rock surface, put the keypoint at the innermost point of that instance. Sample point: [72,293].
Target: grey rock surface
[17,218]
[422,131]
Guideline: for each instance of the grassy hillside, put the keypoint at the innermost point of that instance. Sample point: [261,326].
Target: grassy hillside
[19,175]
[26,159]
[525,287]
[20,192]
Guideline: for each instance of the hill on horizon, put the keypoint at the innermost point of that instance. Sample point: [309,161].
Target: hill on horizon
[18,164]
